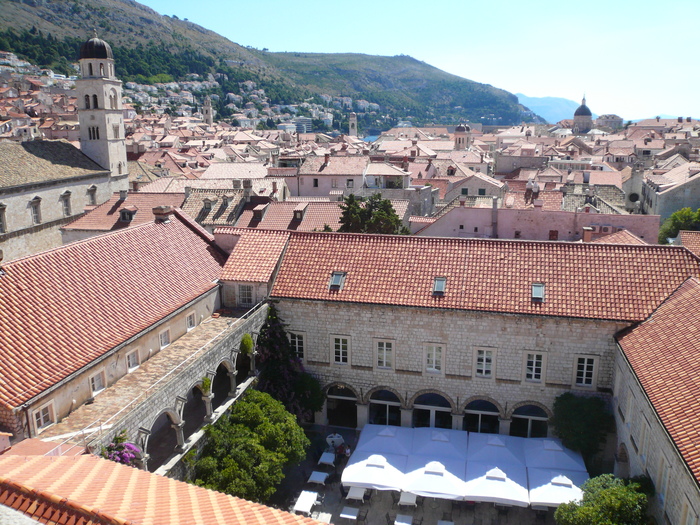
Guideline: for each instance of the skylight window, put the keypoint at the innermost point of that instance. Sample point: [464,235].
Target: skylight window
[337,280]
[538,292]
[439,285]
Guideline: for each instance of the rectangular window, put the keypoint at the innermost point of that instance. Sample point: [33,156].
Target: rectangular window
[65,202]
[92,196]
[3,222]
[439,285]
[482,191]
[97,383]
[349,183]
[44,416]
[132,360]
[341,349]
[334,183]
[337,281]
[465,191]
[385,354]
[164,339]
[585,368]
[315,183]
[553,235]
[433,358]
[297,342]
[245,295]
[191,321]
[484,363]
[662,481]
[533,367]
[36,212]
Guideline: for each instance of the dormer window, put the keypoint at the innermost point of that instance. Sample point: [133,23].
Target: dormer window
[337,281]
[126,215]
[207,204]
[439,284]
[538,292]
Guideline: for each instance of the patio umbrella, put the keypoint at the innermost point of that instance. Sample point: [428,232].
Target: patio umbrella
[505,484]
[552,487]
[439,443]
[550,453]
[435,479]
[496,449]
[371,470]
[385,439]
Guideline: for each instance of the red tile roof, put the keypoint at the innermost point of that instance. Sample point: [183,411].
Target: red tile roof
[280,216]
[105,217]
[89,490]
[99,292]
[664,352]
[620,237]
[255,255]
[690,240]
[582,280]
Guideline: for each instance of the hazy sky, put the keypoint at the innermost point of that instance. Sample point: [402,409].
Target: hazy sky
[636,59]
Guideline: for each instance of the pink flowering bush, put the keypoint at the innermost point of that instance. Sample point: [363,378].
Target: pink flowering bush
[121,451]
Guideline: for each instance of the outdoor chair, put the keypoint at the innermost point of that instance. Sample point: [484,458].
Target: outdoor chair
[362,516]
[447,516]
[418,521]
[389,519]
[343,491]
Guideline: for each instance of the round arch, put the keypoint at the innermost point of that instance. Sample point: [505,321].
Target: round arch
[525,403]
[341,385]
[376,389]
[384,406]
[463,406]
[529,419]
[483,415]
[432,408]
[415,396]
[172,414]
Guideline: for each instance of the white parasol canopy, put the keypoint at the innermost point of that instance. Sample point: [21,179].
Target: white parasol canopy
[505,484]
[370,470]
[552,487]
[443,478]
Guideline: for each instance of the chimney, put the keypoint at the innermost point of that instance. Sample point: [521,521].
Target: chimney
[462,200]
[494,218]
[680,119]
[587,234]
[658,119]
[404,164]
[274,187]
[123,194]
[162,214]
[326,159]
[188,189]
[247,189]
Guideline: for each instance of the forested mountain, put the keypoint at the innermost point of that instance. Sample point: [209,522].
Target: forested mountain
[148,45]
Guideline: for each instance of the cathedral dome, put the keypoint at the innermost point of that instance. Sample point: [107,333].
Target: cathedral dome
[583,110]
[96,48]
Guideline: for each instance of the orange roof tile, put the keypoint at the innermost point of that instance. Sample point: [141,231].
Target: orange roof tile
[280,216]
[89,490]
[655,349]
[582,280]
[255,255]
[99,292]
[620,237]
[690,240]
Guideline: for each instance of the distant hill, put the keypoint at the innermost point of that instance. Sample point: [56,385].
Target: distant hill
[148,44]
[552,109]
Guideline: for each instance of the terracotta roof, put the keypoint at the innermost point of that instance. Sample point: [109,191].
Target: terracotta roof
[103,290]
[105,217]
[620,237]
[224,206]
[255,255]
[690,240]
[42,160]
[354,165]
[582,280]
[90,490]
[235,170]
[280,216]
[664,352]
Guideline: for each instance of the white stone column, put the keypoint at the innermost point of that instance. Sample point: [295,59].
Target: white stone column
[321,417]
[362,415]
[457,421]
[232,382]
[406,417]
[504,426]
[179,434]
[207,398]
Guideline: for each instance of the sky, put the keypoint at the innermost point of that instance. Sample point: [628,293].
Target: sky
[635,59]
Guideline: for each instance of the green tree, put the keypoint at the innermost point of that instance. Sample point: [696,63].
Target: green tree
[683,219]
[372,215]
[607,500]
[581,423]
[248,449]
[282,373]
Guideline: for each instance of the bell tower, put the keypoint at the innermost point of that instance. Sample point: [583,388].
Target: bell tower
[352,126]
[100,111]
[207,111]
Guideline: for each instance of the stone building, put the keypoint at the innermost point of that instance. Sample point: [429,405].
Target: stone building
[583,119]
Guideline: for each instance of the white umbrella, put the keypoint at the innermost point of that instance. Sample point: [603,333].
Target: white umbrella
[385,439]
[371,470]
[439,443]
[505,484]
[552,487]
[550,453]
[496,449]
[443,478]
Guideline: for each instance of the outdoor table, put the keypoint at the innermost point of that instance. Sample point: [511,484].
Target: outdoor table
[443,522]
[356,493]
[327,458]
[349,513]
[305,501]
[403,519]
[408,499]
[318,477]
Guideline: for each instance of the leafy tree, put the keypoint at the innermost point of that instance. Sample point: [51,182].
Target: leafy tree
[282,373]
[247,450]
[581,423]
[372,215]
[683,219]
[607,500]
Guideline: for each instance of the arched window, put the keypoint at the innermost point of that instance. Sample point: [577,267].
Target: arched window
[89,133]
[90,69]
[94,101]
[119,168]
[87,101]
[102,69]
[481,416]
[341,407]
[432,410]
[529,421]
[384,408]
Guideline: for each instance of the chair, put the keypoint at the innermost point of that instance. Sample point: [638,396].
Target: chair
[447,516]
[395,496]
[343,491]
[389,519]
[362,516]
[418,521]
[320,498]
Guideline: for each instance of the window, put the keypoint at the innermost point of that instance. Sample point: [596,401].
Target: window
[433,358]
[132,360]
[465,191]
[585,369]
[35,207]
[334,183]
[115,129]
[482,191]
[533,367]
[553,235]
[688,516]
[126,215]
[341,350]
[245,295]
[44,416]
[191,321]
[87,101]
[94,102]
[164,338]
[297,342]
[65,203]
[518,234]
[538,292]
[662,480]
[315,184]
[439,284]
[349,183]
[3,220]
[337,281]
[97,383]
[385,354]
[484,363]
[92,195]
[90,70]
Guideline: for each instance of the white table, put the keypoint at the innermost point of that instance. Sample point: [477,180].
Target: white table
[443,522]
[403,519]
[349,513]
[305,501]
[318,477]
[408,499]
[356,493]
[327,458]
